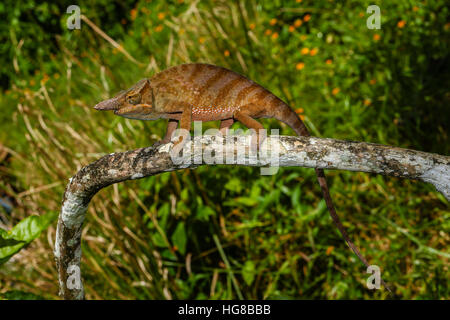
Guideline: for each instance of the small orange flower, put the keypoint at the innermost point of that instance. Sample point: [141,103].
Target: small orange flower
[201,40]
[415,8]
[302,117]
[161,15]
[298,1]
[314,51]
[367,102]
[376,37]
[252,26]
[401,24]
[298,23]
[361,14]
[300,66]
[268,32]
[273,21]
[335,91]
[329,61]
[159,28]
[44,79]
[304,51]
[291,28]
[226,53]
[372,81]
[329,250]
[307,18]
[299,110]
[133,13]
[275,35]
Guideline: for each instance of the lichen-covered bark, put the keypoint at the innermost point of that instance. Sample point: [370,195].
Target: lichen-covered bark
[282,151]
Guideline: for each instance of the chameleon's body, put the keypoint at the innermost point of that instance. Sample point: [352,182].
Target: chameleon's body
[202,92]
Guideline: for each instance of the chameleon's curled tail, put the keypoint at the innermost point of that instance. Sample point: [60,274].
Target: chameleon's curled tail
[288,116]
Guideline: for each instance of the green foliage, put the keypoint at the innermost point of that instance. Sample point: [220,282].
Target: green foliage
[22,234]
[19,295]
[222,232]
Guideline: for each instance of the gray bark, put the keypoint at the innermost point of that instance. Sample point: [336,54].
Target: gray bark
[282,151]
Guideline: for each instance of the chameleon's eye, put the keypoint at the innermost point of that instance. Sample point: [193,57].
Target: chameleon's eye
[135,99]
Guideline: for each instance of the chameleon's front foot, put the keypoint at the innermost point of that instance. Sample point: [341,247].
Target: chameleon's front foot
[160,142]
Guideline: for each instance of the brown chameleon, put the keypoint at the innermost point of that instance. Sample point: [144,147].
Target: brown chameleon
[204,92]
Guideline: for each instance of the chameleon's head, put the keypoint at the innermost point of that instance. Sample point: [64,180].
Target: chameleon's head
[134,103]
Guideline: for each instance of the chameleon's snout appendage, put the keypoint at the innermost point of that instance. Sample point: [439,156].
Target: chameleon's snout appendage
[110,104]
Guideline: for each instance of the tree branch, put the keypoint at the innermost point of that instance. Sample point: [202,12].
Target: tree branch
[283,151]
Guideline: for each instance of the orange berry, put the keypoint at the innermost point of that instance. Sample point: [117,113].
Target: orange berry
[361,14]
[275,35]
[252,26]
[329,61]
[273,21]
[302,117]
[307,18]
[298,1]
[291,28]
[201,40]
[226,53]
[314,51]
[376,37]
[415,8]
[401,24]
[372,81]
[268,32]
[159,28]
[367,102]
[299,110]
[335,91]
[304,51]
[300,66]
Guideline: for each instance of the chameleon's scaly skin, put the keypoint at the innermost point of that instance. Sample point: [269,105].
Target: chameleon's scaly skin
[203,92]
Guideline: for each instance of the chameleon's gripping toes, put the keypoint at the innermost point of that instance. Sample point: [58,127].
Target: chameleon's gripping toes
[203,92]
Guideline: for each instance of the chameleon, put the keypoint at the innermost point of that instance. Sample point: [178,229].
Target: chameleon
[205,92]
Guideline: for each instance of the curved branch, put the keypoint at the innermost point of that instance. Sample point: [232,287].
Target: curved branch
[280,151]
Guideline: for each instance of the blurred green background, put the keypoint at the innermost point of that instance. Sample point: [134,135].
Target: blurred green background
[223,232]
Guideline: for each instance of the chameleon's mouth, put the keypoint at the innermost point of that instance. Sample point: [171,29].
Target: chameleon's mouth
[110,104]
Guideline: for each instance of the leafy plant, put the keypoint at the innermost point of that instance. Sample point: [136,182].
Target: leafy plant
[23,233]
